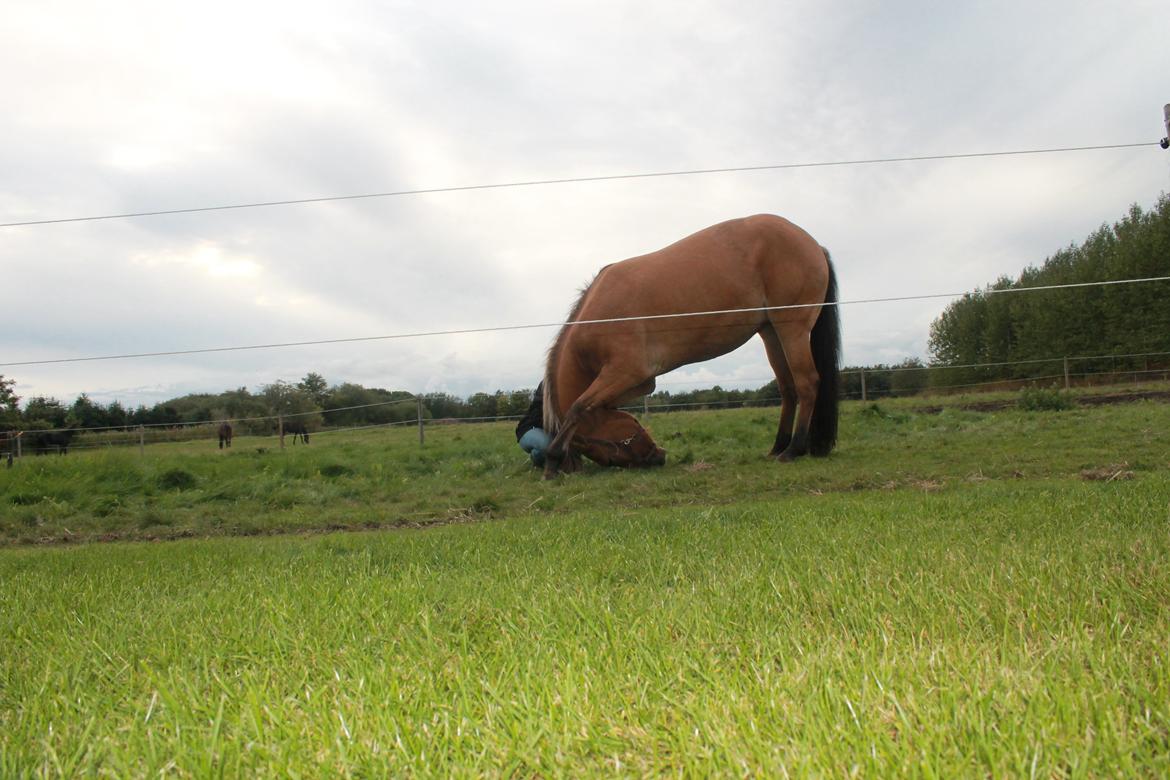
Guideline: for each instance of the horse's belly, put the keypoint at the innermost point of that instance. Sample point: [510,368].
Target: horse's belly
[683,347]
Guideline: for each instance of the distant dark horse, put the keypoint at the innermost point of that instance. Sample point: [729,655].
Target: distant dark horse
[297,428]
[225,435]
[758,275]
[43,442]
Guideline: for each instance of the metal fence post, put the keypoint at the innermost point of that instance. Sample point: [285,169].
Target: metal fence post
[280,429]
[863,397]
[1066,384]
[141,441]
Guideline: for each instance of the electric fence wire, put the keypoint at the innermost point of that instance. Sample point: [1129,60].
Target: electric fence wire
[580,180]
[577,323]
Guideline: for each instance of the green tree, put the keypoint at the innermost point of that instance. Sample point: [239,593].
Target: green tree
[116,415]
[909,378]
[350,404]
[442,405]
[89,414]
[315,386]
[1075,321]
[50,410]
[9,400]
[513,404]
[482,405]
[291,402]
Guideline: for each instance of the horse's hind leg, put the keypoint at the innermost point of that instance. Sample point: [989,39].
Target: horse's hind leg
[794,337]
[786,386]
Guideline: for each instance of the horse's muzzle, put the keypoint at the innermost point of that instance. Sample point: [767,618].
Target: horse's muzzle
[658,458]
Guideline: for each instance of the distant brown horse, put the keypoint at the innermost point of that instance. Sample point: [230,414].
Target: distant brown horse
[743,271]
[225,435]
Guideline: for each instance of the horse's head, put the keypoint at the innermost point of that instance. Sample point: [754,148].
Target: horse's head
[619,440]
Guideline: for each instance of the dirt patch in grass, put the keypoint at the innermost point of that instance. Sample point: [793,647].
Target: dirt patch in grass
[1108,473]
[1084,400]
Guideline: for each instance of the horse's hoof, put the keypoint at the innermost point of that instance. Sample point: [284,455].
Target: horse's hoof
[785,457]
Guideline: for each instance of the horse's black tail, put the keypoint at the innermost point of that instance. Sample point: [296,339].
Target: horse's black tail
[826,350]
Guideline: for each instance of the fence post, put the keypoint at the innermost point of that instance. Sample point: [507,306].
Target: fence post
[645,406]
[20,444]
[863,398]
[1066,384]
[141,441]
[418,408]
[280,429]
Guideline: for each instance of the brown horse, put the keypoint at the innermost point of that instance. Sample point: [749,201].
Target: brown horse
[225,435]
[637,320]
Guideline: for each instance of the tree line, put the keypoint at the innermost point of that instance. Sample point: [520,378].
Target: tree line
[989,326]
[314,402]
[317,404]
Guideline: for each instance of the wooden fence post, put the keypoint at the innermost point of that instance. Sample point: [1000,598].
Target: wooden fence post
[1066,384]
[645,406]
[141,441]
[418,407]
[863,397]
[280,429]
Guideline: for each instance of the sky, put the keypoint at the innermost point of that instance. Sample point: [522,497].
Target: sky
[129,107]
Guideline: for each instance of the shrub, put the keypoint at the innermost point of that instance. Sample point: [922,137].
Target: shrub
[1035,399]
[176,479]
[876,412]
[336,470]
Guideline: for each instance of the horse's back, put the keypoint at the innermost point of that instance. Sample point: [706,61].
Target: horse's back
[729,265]
[742,264]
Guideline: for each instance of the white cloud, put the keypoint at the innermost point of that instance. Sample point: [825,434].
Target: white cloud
[205,258]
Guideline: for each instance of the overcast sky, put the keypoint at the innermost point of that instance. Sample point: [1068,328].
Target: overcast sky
[111,108]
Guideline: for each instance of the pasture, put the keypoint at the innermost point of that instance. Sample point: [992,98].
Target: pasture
[951,593]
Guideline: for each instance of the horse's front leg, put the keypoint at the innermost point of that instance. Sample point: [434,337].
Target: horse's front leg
[560,455]
[610,385]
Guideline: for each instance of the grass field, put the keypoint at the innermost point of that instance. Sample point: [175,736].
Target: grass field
[949,594]
[383,478]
